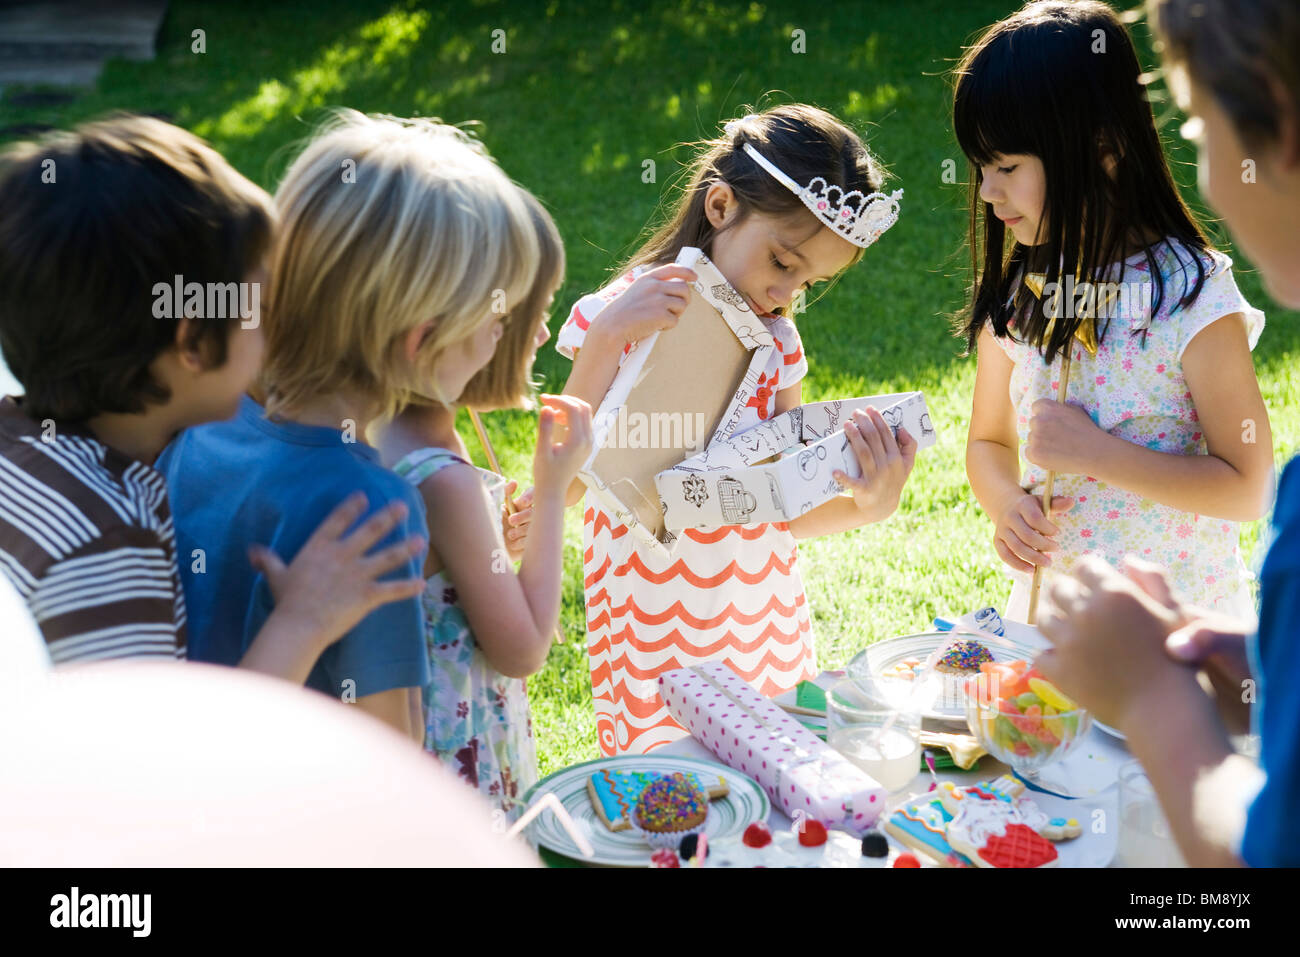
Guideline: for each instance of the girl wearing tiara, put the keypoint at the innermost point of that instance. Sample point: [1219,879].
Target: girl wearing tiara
[732,593]
[1163,444]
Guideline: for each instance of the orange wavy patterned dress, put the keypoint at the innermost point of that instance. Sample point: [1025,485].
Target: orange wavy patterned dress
[728,594]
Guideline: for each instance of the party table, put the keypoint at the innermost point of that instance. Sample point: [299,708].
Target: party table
[1082,786]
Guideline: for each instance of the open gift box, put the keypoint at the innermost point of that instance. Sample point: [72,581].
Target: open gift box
[666,452]
[747,478]
[676,392]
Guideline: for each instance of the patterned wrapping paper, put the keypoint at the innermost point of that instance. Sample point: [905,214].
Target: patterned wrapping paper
[800,772]
[734,481]
[621,498]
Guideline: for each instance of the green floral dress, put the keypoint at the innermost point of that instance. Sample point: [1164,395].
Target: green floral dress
[476,720]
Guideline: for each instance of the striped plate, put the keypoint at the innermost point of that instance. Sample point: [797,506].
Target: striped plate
[745,803]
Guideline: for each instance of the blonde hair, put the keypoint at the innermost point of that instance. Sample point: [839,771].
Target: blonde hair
[506,381]
[386,224]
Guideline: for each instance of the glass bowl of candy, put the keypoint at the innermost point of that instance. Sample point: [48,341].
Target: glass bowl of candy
[1021,718]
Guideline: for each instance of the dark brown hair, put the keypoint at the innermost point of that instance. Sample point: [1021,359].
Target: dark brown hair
[803,141]
[1061,81]
[506,381]
[91,220]
[1234,49]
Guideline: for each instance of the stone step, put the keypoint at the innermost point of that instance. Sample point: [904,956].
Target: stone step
[72,71]
[67,42]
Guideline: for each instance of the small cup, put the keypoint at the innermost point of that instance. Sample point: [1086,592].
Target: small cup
[881,740]
[1145,839]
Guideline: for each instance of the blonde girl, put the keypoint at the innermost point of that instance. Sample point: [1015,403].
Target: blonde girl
[487,627]
[397,238]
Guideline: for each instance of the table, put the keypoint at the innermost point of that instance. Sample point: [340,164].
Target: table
[1092,769]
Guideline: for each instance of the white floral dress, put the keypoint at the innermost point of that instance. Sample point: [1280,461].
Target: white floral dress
[1134,389]
[476,719]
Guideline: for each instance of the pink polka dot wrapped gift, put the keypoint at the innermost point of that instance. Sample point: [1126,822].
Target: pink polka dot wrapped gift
[799,771]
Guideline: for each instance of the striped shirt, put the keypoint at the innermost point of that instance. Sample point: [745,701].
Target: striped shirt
[86,538]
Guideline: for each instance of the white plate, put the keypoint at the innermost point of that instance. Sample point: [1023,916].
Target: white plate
[937,697]
[1099,818]
[745,803]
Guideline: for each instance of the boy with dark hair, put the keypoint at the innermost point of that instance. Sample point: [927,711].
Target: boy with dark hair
[130,279]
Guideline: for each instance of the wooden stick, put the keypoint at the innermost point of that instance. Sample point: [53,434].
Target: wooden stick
[495,464]
[1048,483]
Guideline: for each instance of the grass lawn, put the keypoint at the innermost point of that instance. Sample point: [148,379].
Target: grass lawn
[582,97]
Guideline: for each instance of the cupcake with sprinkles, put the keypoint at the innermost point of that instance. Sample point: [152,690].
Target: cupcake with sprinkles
[963,657]
[670,808]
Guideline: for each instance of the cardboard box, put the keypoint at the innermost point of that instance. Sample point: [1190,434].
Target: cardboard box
[781,468]
[676,393]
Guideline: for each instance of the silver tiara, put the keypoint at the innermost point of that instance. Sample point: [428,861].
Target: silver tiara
[861,223]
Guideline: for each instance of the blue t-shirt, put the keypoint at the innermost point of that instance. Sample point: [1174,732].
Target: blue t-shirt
[253,480]
[1272,826]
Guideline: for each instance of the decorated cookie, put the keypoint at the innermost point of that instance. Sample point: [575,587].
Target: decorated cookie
[1012,791]
[668,809]
[922,825]
[1061,829]
[614,793]
[994,830]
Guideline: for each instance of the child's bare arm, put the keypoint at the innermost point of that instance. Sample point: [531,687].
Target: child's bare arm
[1233,481]
[1108,654]
[1022,534]
[512,616]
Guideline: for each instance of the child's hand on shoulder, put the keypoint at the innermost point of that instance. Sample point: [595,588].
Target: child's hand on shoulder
[332,583]
[652,303]
[886,463]
[1063,438]
[1022,535]
[564,441]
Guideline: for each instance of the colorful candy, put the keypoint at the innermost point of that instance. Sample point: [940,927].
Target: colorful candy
[665,857]
[757,835]
[812,833]
[1027,715]
[963,657]
[1050,695]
